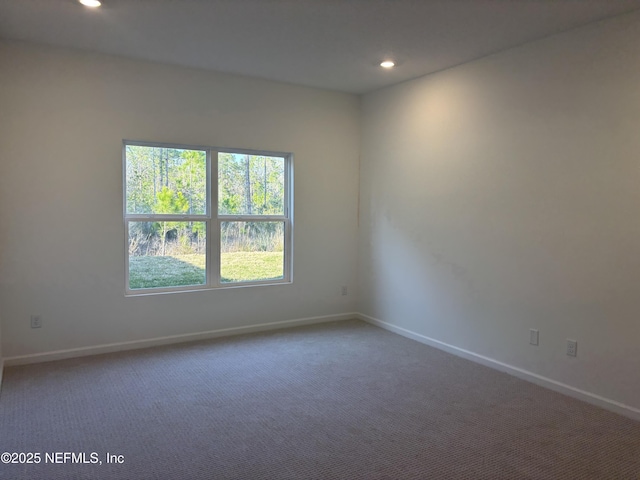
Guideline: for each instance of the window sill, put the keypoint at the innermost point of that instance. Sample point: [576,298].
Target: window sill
[145,292]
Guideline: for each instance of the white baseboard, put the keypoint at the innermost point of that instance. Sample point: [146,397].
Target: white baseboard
[560,387]
[153,342]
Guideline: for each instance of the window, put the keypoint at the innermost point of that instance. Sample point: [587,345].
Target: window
[203,218]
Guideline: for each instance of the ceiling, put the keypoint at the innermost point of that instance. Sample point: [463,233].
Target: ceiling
[331,44]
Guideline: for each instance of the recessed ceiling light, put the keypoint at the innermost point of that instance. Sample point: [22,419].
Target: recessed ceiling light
[90,3]
[387,64]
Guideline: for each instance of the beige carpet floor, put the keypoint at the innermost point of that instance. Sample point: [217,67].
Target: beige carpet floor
[344,400]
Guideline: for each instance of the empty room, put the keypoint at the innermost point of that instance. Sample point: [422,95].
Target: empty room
[319,239]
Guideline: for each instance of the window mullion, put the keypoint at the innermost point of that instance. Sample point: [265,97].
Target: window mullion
[252,218]
[126,255]
[208,262]
[159,217]
[214,252]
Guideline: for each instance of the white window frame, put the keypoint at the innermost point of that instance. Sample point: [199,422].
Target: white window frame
[213,220]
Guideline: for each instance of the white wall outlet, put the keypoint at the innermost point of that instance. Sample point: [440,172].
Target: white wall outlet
[572,348]
[344,290]
[534,336]
[36,321]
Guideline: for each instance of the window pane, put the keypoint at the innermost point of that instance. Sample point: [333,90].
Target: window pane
[251,251]
[167,254]
[166,180]
[250,184]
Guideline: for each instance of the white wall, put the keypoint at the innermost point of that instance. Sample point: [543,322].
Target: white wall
[504,195]
[1,360]
[64,116]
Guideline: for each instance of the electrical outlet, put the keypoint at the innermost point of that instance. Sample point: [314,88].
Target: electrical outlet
[572,348]
[344,290]
[534,336]
[36,321]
